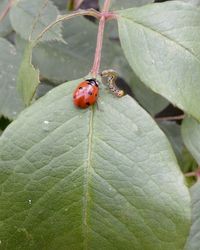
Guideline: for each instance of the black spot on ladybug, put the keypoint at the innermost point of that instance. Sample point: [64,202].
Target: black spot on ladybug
[89,93]
[80,87]
[74,96]
[87,103]
[96,95]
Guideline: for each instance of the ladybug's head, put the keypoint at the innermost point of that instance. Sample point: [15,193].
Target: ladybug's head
[93,82]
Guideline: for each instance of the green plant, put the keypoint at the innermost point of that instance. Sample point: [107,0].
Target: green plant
[106,177]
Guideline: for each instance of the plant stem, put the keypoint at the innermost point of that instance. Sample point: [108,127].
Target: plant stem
[6,10]
[97,57]
[190,174]
[170,118]
[106,6]
[195,173]
[89,12]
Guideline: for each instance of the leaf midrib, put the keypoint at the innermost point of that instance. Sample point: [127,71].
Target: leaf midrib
[87,178]
[163,35]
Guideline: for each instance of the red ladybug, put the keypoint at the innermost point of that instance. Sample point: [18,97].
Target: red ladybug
[86,93]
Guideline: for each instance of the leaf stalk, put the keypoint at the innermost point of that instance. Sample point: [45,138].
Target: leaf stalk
[97,57]
[6,10]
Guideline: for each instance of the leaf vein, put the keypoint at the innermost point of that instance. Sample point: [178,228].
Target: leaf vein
[86,181]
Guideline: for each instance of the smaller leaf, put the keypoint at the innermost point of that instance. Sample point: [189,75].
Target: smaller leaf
[191,137]
[28,77]
[34,16]
[193,241]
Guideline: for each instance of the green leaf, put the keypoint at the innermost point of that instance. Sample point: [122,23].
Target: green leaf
[60,62]
[10,102]
[118,4]
[33,16]
[28,77]
[191,137]
[82,179]
[5,26]
[194,237]
[161,43]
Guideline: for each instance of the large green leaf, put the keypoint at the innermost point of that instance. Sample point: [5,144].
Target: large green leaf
[33,16]
[10,101]
[161,43]
[28,76]
[193,241]
[5,26]
[191,137]
[80,179]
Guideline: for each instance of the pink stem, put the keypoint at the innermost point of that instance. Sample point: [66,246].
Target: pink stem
[190,174]
[172,118]
[194,173]
[97,57]
[106,6]
[6,10]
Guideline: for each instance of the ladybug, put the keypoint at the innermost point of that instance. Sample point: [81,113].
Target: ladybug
[86,93]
